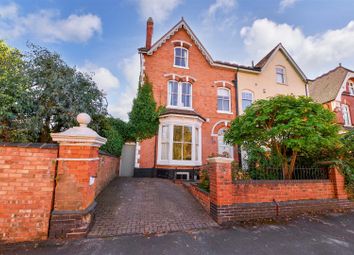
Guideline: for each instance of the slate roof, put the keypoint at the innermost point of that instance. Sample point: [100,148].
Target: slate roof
[182,112]
[325,88]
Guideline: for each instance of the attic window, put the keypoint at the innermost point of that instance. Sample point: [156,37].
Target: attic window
[181,57]
[280,74]
[351,88]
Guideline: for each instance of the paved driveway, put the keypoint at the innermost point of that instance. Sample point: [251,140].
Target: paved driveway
[146,206]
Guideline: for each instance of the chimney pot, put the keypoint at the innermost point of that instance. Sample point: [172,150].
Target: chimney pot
[149,31]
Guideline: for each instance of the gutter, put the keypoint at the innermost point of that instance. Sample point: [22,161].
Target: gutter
[235,82]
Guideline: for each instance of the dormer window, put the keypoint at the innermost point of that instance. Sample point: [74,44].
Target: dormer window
[179,94]
[280,74]
[181,57]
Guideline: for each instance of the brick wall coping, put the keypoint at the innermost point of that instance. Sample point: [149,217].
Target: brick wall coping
[31,145]
[78,212]
[220,160]
[107,154]
[260,182]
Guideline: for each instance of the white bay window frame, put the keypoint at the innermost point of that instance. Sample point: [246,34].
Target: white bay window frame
[179,95]
[196,150]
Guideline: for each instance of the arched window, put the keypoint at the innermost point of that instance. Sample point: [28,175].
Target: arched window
[181,57]
[346,115]
[224,102]
[351,88]
[179,94]
[223,148]
[247,99]
[280,74]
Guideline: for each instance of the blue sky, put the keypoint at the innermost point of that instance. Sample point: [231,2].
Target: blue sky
[102,36]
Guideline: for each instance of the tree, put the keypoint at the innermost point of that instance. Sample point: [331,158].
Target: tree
[288,126]
[60,93]
[144,116]
[14,88]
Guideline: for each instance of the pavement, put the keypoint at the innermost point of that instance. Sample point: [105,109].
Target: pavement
[331,234]
[147,206]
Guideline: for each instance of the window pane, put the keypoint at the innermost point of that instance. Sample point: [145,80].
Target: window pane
[245,104]
[220,103]
[223,92]
[177,133]
[187,134]
[186,94]
[196,136]
[164,151]
[186,99]
[187,151]
[177,151]
[178,52]
[173,92]
[226,105]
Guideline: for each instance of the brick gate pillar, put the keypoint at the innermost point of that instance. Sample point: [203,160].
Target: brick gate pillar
[337,179]
[220,186]
[74,197]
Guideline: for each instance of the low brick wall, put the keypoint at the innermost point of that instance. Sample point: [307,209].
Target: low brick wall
[201,195]
[267,191]
[108,169]
[26,190]
[247,200]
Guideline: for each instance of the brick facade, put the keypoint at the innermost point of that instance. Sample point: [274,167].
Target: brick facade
[26,190]
[108,169]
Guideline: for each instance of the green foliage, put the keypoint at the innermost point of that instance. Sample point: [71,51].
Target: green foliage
[14,104]
[144,116]
[237,173]
[60,93]
[288,126]
[347,162]
[204,182]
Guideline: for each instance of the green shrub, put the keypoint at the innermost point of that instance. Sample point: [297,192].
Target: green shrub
[204,183]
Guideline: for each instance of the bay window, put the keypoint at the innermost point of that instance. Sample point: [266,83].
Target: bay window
[179,94]
[179,144]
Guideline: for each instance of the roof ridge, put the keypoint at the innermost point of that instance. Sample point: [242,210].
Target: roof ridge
[327,73]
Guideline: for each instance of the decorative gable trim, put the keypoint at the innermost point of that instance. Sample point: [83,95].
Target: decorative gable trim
[281,48]
[343,86]
[175,29]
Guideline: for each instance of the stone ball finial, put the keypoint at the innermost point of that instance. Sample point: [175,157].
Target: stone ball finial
[84,119]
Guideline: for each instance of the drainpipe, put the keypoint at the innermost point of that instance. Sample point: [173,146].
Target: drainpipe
[235,82]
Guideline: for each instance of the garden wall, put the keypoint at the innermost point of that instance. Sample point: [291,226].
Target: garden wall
[26,190]
[253,200]
[27,174]
[108,169]
[201,195]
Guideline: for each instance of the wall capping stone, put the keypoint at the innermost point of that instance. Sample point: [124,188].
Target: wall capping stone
[219,160]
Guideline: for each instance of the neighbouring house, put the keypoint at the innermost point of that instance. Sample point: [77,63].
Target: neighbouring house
[202,96]
[335,90]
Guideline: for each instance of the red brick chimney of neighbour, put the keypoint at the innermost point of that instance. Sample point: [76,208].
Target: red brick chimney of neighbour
[149,31]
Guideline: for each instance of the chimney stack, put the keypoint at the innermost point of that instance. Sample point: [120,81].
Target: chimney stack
[149,31]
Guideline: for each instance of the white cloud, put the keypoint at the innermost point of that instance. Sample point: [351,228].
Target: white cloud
[221,5]
[103,77]
[218,17]
[284,4]
[47,25]
[159,10]
[122,105]
[315,54]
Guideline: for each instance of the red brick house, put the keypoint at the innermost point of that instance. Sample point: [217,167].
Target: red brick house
[335,90]
[201,97]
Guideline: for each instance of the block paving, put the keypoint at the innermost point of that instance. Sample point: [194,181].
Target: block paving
[147,206]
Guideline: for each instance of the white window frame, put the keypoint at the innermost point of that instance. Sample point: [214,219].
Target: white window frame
[175,121]
[351,88]
[284,74]
[217,99]
[246,91]
[179,96]
[346,110]
[174,57]
[224,145]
